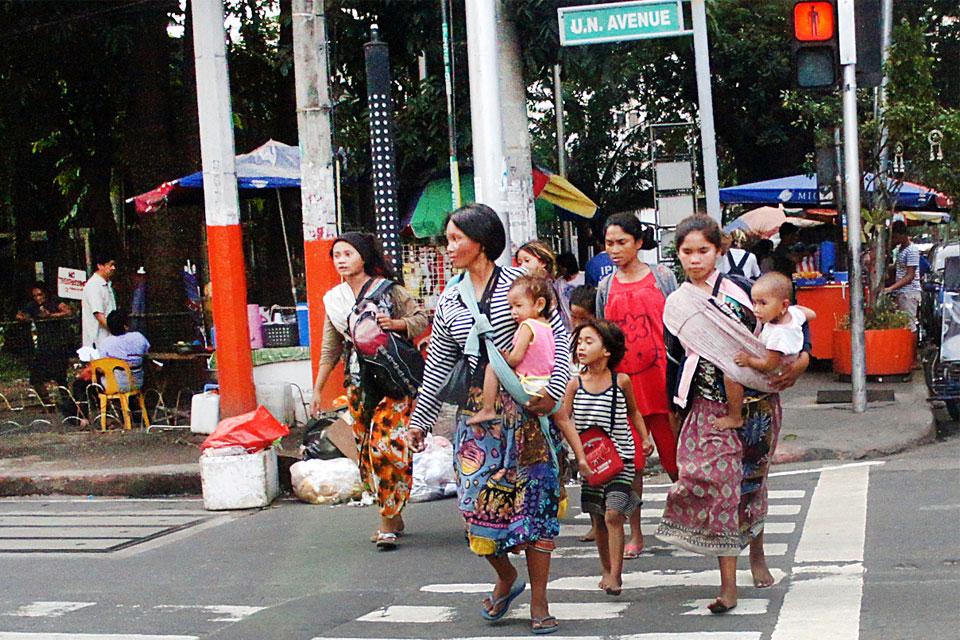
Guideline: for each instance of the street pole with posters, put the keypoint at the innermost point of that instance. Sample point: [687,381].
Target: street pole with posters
[317,191]
[222,210]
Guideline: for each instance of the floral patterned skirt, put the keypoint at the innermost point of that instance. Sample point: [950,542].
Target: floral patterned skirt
[518,510]
[719,502]
[385,460]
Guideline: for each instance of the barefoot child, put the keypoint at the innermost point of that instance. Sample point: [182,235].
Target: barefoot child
[782,334]
[604,399]
[533,353]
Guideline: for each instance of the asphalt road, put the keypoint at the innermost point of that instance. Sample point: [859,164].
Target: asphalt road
[860,550]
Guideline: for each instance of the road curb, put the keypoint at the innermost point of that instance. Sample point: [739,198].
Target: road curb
[138,485]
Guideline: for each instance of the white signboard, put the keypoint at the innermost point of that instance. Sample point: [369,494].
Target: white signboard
[70,283]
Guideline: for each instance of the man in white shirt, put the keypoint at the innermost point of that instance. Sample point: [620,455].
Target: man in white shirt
[906,288]
[98,301]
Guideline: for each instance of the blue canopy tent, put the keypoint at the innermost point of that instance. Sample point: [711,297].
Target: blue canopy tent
[801,191]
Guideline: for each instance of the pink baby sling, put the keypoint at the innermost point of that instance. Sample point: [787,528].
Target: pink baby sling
[704,330]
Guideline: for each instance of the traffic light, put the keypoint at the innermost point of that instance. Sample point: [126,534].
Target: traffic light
[816,59]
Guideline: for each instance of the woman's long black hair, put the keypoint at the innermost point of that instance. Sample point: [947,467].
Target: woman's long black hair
[632,226]
[367,245]
[481,224]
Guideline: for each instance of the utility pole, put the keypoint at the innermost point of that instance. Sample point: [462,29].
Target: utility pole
[317,191]
[451,102]
[489,164]
[222,211]
[853,180]
[567,242]
[708,138]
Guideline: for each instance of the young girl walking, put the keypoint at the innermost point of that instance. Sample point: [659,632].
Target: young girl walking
[603,399]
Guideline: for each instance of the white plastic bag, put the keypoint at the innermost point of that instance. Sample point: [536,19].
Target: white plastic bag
[326,481]
[433,474]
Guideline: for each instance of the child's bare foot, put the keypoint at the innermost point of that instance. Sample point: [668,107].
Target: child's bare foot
[484,415]
[762,578]
[589,536]
[499,474]
[728,422]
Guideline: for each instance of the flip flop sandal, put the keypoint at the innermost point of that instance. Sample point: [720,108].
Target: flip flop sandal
[386,541]
[376,535]
[502,605]
[632,552]
[544,625]
[610,591]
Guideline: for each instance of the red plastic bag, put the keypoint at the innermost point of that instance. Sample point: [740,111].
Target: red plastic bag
[253,431]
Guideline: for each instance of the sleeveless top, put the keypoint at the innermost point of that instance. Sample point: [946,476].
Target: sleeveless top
[637,308]
[593,410]
[541,352]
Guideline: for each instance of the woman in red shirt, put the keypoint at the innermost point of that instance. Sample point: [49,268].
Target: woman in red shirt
[633,297]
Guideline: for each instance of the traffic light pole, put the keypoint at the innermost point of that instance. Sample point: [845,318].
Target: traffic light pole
[853,181]
[708,139]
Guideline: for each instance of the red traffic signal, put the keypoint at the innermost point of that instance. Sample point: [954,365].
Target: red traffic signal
[813,21]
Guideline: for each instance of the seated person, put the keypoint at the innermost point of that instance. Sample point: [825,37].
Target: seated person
[125,345]
[48,364]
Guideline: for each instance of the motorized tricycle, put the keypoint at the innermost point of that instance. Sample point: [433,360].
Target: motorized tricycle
[940,355]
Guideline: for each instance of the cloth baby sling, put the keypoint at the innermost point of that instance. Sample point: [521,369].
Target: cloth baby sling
[482,330]
[705,330]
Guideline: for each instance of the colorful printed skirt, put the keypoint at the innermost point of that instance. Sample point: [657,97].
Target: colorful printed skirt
[518,510]
[719,503]
[385,460]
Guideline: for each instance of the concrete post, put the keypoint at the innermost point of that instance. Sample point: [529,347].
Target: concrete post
[317,192]
[222,210]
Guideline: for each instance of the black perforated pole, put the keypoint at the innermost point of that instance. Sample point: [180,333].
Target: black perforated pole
[383,167]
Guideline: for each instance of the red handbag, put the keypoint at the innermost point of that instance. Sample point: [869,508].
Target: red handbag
[600,451]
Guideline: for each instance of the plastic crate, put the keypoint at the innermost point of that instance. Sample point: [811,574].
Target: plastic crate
[278,334]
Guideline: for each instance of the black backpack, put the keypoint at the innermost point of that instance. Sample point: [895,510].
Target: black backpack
[389,363]
[736,268]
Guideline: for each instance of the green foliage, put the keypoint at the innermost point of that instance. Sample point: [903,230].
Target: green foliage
[883,315]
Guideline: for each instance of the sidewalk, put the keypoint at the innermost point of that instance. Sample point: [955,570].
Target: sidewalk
[138,464]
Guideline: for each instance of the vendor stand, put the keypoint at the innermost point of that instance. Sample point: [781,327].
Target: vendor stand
[831,302]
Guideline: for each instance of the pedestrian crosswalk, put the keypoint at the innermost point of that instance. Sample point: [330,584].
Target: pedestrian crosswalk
[814,544]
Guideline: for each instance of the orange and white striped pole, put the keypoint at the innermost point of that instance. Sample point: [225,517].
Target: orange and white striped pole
[317,189]
[222,208]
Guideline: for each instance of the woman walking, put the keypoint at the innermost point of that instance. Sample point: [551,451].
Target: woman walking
[719,504]
[632,297]
[518,512]
[379,420]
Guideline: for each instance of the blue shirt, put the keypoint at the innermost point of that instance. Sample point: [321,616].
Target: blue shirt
[130,347]
[598,267]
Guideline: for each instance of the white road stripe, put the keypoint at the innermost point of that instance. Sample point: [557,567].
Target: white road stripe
[778,494]
[778,528]
[577,530]
[48,609]
[827,606]
[410,614]
[566,553]
[745,607]
[575,610]
[783,509]
[695,635]
[656,578]
[836,522]
[23,635]
[221,612]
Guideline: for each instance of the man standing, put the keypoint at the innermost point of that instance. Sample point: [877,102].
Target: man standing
[98,301]
[906,288]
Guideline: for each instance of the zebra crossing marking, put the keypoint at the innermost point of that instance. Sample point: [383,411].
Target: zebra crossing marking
[27,635]
[566,553]
[415,614]
[745,607]
[570,611]
[658,578]
[48,609]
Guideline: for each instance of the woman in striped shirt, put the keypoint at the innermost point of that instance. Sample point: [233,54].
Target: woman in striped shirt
[518,512]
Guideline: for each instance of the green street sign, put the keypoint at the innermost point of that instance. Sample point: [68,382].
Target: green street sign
[619,21]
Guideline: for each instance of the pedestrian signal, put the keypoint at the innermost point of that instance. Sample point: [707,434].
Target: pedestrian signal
[815,46]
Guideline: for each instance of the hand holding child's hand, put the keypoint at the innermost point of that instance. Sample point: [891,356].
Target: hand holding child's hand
[584,468]
[648,446]
[742,359]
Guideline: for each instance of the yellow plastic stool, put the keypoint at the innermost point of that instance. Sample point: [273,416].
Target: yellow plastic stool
[104,370]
